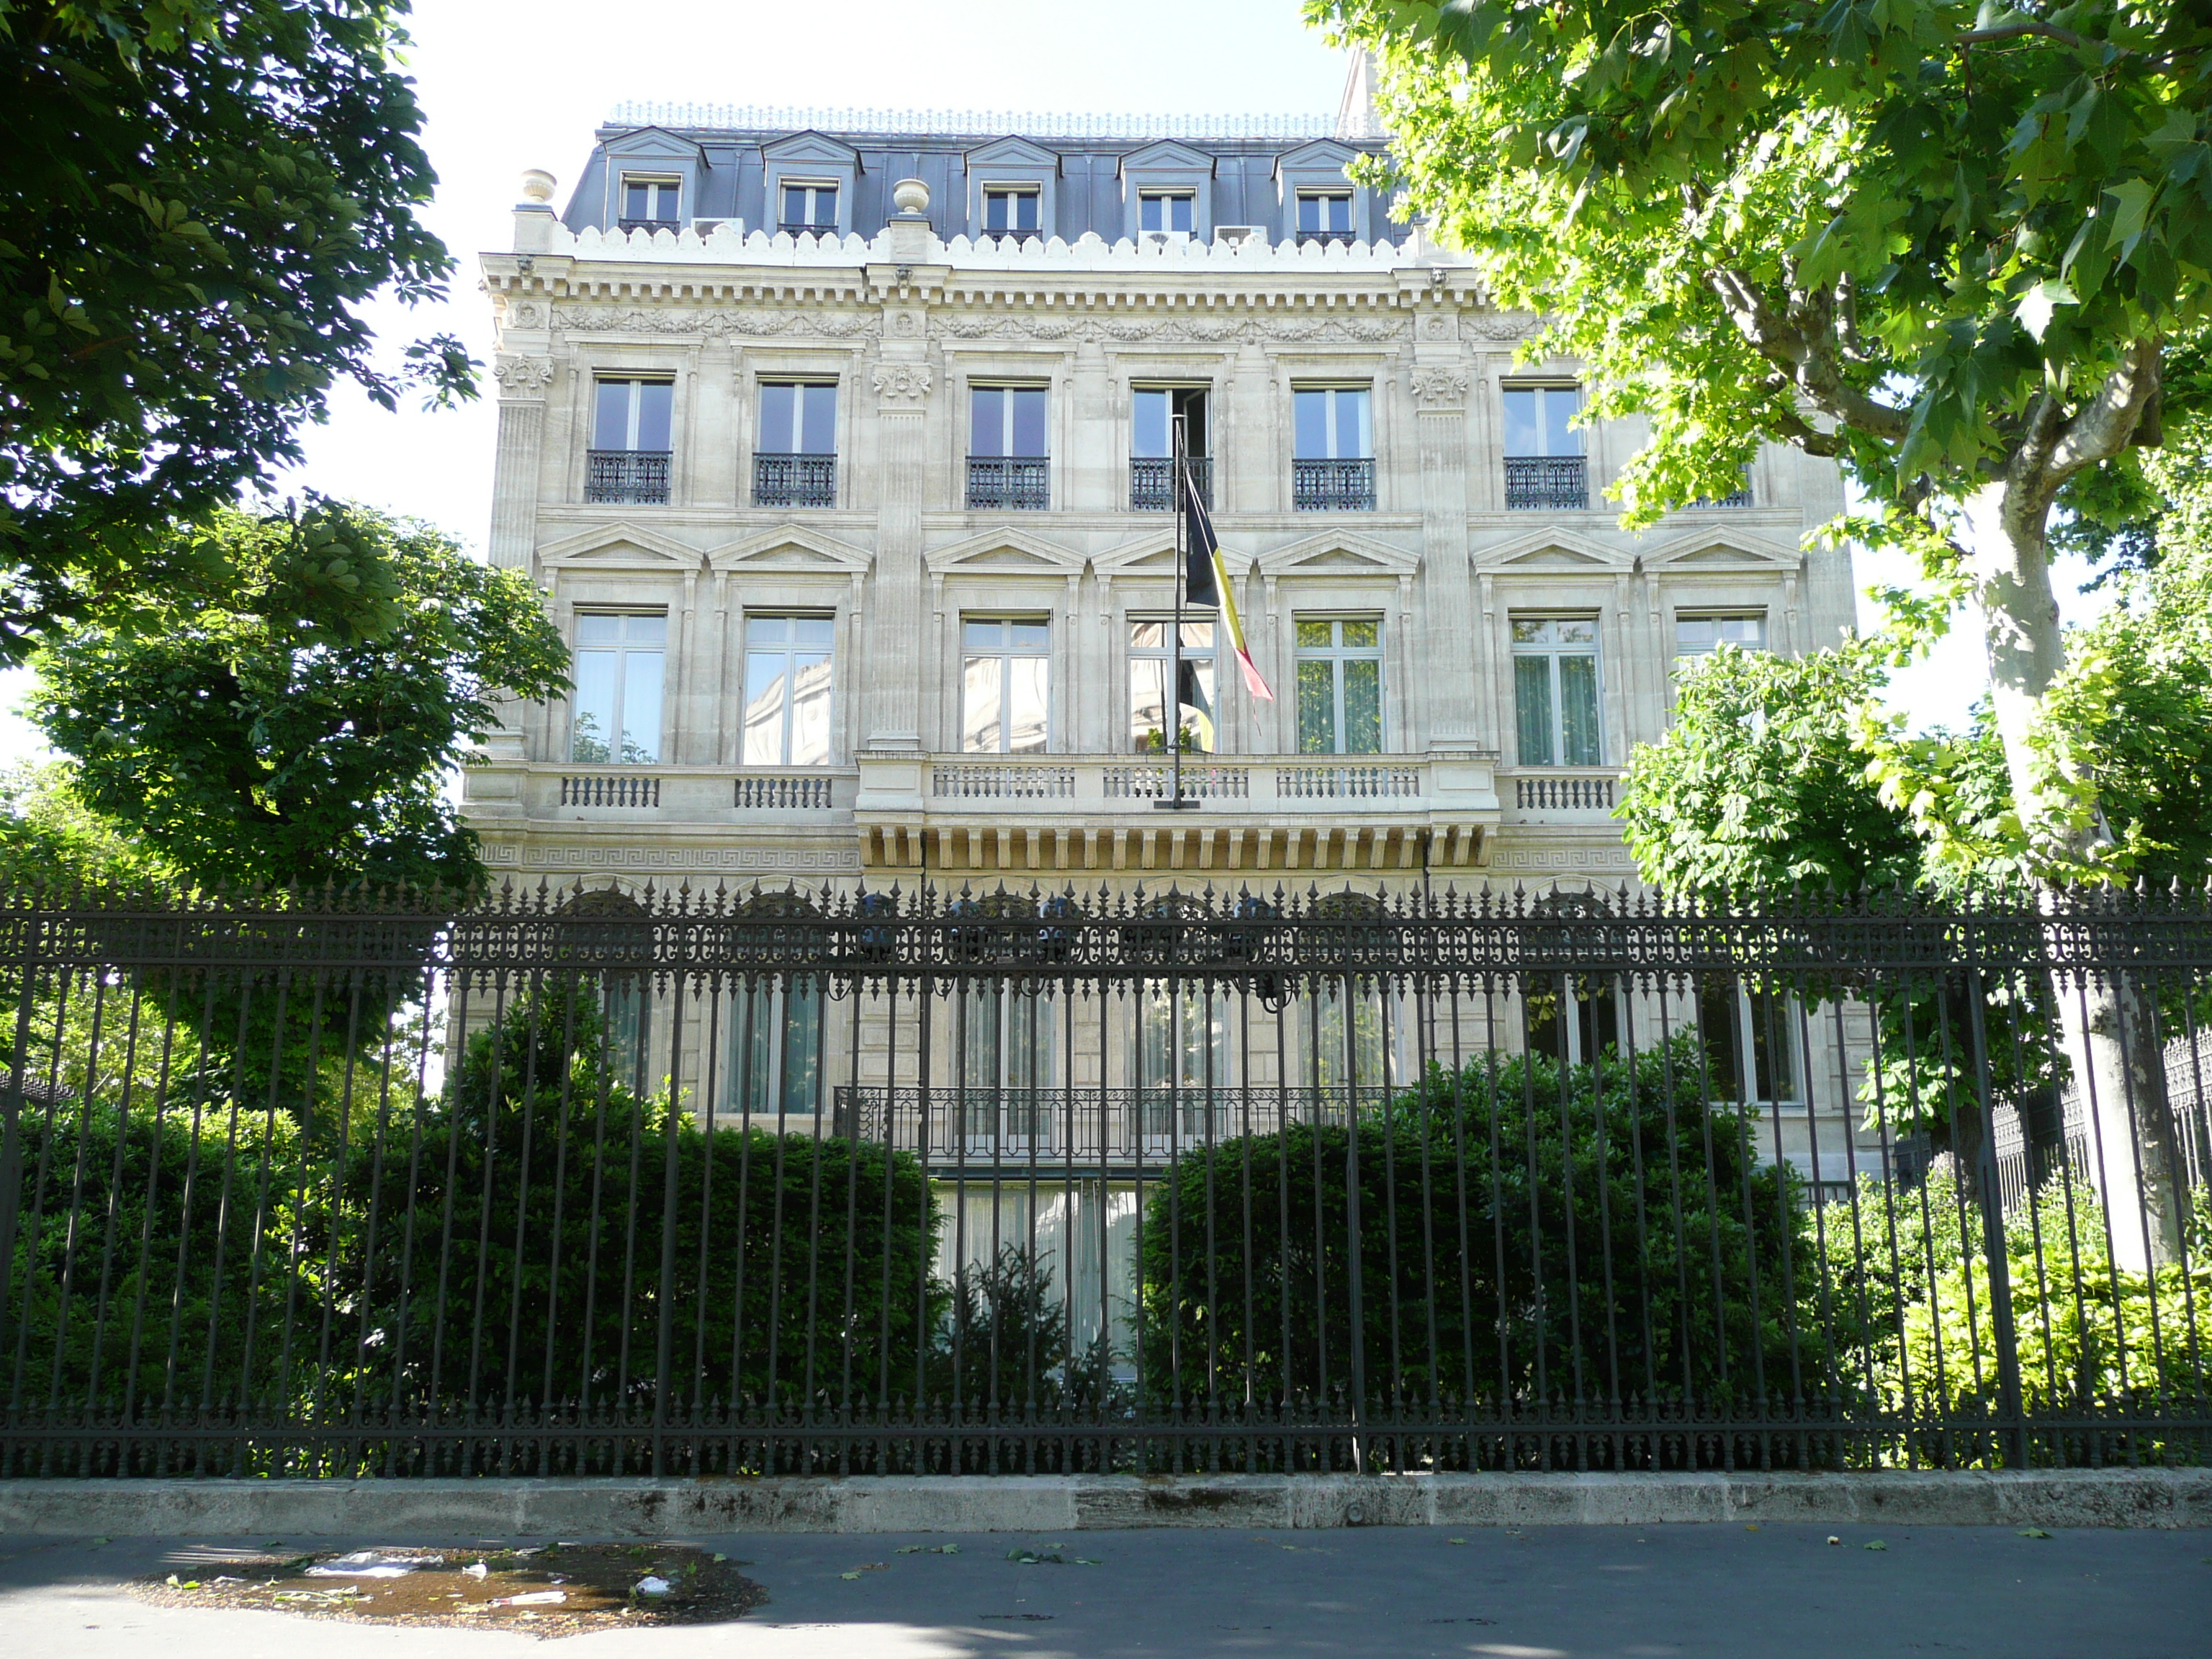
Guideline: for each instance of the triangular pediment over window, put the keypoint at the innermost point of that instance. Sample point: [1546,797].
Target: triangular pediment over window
[1553,549]
[1322,155]
[816,148]
[655,144]
[792,549]
[1166,156]
[1337,554]
[1022,153]
[1707,549]
[1013,552]
[619,546]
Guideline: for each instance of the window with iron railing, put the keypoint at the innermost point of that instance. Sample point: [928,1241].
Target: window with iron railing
[809,207]
[795,464]
[1545,467]
[1008,464]
[629,455]
[1011,210]
[650,203]
[1739,497]
[1332,457]
[1324,216]
[1154,412]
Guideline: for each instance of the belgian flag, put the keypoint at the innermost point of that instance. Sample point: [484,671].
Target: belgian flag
[1205,582]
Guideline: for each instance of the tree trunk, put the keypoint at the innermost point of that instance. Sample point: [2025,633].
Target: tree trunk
[2107,1020]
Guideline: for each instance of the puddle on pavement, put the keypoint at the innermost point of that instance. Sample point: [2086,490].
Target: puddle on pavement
[556,1589]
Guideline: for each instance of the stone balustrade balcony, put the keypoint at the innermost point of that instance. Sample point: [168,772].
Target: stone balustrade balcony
[1245,816]
[1560,794]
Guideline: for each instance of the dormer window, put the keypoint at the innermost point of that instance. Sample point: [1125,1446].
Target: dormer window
[809,207]
[1166,211]
[1012,209]
[1324,216]
[650,202]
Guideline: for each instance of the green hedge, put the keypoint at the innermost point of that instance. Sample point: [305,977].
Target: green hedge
[1575,1282]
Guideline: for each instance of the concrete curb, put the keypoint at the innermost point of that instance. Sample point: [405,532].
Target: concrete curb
[1050,1503]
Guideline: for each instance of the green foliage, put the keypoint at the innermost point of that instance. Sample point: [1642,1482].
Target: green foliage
[2133,711]
[159,1231]
[1759,786]
[1571,1282]
[498,1243]
[201,197]
[567,1218]
[294,723]
[1917,217]
[50,839]
[1002,1341]
[1912,1293]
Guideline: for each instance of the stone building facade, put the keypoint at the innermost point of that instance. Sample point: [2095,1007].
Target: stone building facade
[837,456]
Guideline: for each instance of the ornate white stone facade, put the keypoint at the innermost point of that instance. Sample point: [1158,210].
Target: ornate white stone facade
[904,324]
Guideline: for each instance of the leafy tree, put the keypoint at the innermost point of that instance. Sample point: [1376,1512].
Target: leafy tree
[1944,244]
[49,837]
[1760,786]
[201,195]
[294,723]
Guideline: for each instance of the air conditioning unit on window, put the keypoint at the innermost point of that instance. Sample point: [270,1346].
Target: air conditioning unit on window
[1234,233]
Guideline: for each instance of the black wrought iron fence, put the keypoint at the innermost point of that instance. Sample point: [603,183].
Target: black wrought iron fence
[857,1181]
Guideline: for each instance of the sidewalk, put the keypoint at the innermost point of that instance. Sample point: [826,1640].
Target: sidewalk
[1710,1592]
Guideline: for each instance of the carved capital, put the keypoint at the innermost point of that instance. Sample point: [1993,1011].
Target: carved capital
[1439,391]
[523,377]
[901,386]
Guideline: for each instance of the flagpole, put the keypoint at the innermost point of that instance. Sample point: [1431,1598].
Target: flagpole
[1183,580]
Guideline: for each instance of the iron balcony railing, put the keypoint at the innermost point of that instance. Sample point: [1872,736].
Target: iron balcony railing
[628,225]
[1546,482]
[959,1129]
[638,475]
[1332,486]
[807,226]
[1306,236]
[1021,483]
[1733,498]
[1151,482]
[793,480]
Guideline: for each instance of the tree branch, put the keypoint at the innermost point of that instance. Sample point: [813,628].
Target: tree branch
[1799,430]
[2105,425]
[1803,345]
[2045,30]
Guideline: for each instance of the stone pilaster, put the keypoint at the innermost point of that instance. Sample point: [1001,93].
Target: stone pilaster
[902,390]
[522,384]
[1449,708]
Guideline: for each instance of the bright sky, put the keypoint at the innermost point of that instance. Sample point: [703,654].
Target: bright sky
[507,89]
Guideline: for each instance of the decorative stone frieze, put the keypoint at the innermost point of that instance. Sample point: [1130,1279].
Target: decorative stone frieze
[523,377]
[901,385]
[1438,391]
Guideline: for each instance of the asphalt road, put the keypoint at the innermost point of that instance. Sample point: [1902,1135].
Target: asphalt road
[1711,1592]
